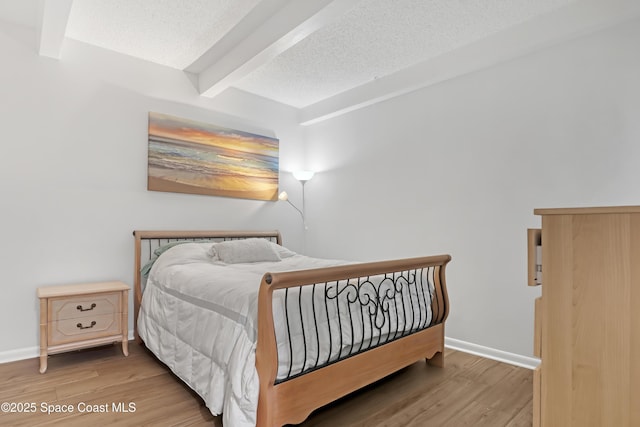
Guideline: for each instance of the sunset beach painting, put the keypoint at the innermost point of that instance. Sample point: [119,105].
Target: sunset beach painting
[186,156]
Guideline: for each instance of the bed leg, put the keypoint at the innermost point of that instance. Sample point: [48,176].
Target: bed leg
[436,360]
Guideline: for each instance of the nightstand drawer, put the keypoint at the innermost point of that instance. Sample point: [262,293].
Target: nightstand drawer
[84,306]
[85,328]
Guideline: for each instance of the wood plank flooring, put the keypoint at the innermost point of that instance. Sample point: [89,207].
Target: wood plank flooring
[469,391]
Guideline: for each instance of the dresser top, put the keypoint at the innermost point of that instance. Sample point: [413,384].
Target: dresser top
[589,211]
[78,289]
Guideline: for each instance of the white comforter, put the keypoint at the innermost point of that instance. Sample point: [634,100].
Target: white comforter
[199,318]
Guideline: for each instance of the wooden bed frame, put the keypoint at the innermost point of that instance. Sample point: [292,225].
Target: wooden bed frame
[291,402]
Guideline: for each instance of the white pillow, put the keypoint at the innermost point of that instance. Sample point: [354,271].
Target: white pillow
[282,251]
[246,250]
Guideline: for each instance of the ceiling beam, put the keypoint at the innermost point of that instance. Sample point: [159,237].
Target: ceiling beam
[254,19]
[55,15]
[290,24]
[577,19]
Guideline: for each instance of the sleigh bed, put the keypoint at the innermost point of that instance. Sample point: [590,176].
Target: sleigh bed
[268,341]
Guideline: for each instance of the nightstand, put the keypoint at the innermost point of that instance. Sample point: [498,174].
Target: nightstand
[83,315]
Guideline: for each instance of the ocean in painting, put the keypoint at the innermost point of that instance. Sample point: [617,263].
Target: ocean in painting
[192,157]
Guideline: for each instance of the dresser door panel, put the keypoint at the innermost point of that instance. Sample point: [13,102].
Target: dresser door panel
[591,320]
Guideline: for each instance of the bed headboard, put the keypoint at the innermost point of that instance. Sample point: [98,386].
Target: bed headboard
[146,242]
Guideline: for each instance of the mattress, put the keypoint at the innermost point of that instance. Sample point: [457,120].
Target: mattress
[199,317]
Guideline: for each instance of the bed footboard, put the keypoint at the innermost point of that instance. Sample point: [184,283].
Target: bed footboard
[344,328]
[340,328]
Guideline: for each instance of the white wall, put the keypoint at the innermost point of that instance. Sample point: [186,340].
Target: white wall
[74,170]
[459,167]
[455,168]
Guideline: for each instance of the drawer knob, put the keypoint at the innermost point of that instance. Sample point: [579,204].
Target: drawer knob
[79,307]
[93,323]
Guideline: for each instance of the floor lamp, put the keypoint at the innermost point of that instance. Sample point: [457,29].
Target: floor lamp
[302,176]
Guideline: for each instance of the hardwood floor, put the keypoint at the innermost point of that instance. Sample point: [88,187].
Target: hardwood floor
[469,391]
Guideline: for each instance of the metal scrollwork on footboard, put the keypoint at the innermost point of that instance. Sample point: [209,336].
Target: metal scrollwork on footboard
[320,323]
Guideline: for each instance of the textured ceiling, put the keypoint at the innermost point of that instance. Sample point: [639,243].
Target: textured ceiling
[168,32]
[379,37]
[374,38]
[324,57]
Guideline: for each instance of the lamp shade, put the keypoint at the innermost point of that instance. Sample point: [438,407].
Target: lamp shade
[303,175]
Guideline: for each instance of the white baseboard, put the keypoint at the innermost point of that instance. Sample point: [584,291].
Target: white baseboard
[28,352]
[19,354]
[452,343]
[492,353]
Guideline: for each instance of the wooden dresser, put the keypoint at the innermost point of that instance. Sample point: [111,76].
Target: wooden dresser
[83,315]
[588,319]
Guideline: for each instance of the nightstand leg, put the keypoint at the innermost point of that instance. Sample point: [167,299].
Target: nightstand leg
[43,335]
[124,309]
[43,363]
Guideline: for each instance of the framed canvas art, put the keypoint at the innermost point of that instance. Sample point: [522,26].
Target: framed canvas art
[186,156]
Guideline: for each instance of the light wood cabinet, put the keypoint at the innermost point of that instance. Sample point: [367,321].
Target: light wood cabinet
[84,315]
[589,318]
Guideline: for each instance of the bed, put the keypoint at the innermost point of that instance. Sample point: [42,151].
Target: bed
[266,342]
